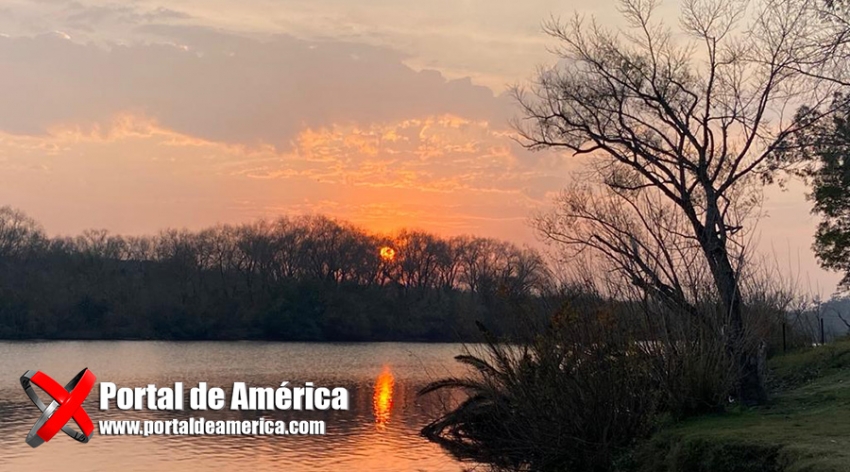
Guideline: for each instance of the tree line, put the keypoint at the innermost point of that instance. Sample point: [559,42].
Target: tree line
[309,278]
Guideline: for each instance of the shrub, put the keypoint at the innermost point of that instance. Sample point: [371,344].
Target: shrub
[572,399]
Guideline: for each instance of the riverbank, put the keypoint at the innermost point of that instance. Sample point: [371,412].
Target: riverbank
[805,428]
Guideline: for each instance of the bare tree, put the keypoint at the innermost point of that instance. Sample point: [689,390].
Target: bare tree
[18,232]
[824,51]
[682,133]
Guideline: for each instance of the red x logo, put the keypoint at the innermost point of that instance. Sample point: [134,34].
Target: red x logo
[66,405]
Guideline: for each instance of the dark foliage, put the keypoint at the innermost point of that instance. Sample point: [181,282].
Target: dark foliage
[826,151]
[573,399]
[309,278]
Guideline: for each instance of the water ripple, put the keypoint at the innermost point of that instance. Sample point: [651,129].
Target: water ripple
[354,441]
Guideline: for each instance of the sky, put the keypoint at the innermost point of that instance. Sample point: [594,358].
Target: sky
[142,115]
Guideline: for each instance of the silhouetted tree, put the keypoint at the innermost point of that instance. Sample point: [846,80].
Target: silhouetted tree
[682,133]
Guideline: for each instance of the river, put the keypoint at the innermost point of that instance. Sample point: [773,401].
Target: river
[379,431]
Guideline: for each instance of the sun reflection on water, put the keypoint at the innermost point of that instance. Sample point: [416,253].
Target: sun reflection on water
[382,399]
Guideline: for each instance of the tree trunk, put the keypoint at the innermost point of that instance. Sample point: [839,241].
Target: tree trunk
[749,377]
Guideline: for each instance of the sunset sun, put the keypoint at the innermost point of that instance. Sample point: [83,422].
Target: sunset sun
[387,253]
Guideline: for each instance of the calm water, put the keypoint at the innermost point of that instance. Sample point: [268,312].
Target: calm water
[355,440]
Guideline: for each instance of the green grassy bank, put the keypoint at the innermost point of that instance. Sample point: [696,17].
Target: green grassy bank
[806,427]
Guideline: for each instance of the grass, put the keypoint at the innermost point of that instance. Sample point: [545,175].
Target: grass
[805,428]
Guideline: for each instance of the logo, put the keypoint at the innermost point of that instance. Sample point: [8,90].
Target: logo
[66,405]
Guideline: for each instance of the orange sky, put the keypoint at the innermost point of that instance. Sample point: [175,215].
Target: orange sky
[136,117]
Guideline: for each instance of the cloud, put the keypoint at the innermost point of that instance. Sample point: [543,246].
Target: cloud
[89,18]
[442,153]
[224,87]
[495,42]
[193,125]
[133,176]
